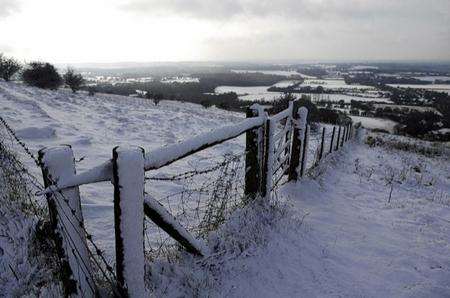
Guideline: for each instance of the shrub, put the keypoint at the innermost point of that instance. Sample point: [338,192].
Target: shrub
[206,103]
[156,97]
[8,67]
[91,91]
[42,75]
[73,80]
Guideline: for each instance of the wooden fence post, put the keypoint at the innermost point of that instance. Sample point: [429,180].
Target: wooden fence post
[266,181]
[338,139]
[304,150]
[128,180]
[252,159]
[332,139]
[66,220]
[322,144]
[343,134]
[294,160]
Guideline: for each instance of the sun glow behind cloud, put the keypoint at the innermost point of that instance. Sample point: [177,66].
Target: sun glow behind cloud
[96,31]
[172,30]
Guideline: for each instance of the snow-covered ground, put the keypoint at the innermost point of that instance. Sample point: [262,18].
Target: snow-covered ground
[346,97]
[432,87]
[341,236]
[250,93]
[333,234]
[333,84]
[93,126]
[375,123]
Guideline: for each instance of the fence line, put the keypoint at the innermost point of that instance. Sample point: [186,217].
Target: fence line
[276,149]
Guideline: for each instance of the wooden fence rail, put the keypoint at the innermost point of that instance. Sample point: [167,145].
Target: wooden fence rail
[276,148]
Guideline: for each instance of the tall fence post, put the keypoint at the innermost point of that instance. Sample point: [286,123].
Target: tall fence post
[304,150]
[322,144]
[332,139]
[266,181]
[338,139]
[343,134]
[294,160]
[252,158]
[66,220]
[128,180]
[351,132]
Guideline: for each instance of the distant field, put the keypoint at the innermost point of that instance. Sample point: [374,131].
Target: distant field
[250,93]
[333,84]
[433,87]
[375,123]
[345,97]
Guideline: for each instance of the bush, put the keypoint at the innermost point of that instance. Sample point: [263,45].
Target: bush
[42,75]
[8,67]
[91,91]
[73,80]
[206,103]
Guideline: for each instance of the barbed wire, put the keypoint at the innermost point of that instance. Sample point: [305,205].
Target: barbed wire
[41,187]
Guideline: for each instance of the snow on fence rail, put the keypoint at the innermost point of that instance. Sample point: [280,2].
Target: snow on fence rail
[276,149]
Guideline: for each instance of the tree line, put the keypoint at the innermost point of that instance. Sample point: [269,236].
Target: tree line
[39,74]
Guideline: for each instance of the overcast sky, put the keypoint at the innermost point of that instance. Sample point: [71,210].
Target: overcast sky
[188,30]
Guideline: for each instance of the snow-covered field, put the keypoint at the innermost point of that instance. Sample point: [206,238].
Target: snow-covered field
[335,234]
[433,87]
[250,93]
[375,123]
[95,125]
[433,78]
[333,84]
[286,73]
[346,98]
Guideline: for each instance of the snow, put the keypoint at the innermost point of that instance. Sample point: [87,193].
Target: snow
[250,93]
[36,133]
[332,234]
[432,87]
[286,73]
[108,121]
[333,84]
[130,183]
[433,78]
[365,96]
[375,123]
[59,163]
[170,219]
[336,235]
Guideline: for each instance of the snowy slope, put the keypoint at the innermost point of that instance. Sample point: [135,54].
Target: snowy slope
[341,237]
[334,235]
[95,125]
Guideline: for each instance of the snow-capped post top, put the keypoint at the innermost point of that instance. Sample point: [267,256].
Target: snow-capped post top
[260,109]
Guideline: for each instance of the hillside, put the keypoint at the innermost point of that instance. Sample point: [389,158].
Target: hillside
[372,220]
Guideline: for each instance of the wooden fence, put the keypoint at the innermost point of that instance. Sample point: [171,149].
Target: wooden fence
[276,149]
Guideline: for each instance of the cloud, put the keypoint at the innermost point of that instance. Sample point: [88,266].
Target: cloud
[292,10]
[8,7]
[188,8]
